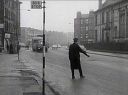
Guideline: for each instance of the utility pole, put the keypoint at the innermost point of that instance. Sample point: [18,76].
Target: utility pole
[38,5]
[43,83]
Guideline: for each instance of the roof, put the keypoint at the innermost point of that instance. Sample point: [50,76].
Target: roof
[110,2]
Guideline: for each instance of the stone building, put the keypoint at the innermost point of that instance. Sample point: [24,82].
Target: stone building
[111,21]
[10,23]
[1,25]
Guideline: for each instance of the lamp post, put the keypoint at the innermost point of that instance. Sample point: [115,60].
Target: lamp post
[18,29]
[38,5]
[17,26]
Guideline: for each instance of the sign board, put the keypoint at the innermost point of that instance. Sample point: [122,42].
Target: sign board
[1,25]
[7,35]
[36,4]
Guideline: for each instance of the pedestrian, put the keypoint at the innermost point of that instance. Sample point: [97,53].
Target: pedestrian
[7,48]
[11,48]
[74,57]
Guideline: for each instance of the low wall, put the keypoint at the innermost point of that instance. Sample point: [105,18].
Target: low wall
[108,46]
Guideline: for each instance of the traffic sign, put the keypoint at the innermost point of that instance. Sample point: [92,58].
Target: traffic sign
[36,4]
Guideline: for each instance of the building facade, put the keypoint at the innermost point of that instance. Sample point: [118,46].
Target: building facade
[81,27]
[1,25]
[84,28]
[9,23]
[91,28]
[111,21]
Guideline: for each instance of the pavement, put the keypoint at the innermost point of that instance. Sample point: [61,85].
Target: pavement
[18,79]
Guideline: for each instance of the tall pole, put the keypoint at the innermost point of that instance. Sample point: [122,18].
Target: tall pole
[43,83]
[18,26]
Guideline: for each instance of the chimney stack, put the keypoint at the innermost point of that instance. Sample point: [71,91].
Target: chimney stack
[78,14]
[100,4]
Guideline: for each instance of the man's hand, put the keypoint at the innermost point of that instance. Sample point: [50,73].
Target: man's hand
[88,55]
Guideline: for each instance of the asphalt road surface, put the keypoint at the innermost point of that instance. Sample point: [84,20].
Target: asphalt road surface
[105,75]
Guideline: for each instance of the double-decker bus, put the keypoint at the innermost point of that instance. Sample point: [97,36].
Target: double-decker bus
[37,44]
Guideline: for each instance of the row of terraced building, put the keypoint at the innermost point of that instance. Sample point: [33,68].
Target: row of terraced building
[9,24]
[105,28]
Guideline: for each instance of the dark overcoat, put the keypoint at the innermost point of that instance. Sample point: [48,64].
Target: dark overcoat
[74,55]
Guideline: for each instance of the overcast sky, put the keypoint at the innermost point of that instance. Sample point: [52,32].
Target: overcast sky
[59,14]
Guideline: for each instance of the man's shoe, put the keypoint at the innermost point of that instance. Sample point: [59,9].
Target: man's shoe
[82,77]
[73,77]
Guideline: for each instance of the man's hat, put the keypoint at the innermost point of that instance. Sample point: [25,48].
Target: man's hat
[75,39]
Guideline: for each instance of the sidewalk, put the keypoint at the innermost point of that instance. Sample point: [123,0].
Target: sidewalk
[120,55]
[18,79]
[37,67]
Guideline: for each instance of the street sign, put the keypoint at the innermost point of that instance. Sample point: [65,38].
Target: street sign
[36,4]
[7,35]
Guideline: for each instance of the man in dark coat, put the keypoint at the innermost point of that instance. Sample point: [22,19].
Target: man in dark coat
[74,57]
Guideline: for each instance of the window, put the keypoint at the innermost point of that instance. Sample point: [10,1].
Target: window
[102,17]
[87,21]
[96,20]
[82,21]
[87,28]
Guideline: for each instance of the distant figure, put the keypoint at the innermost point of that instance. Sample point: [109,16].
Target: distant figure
[18,48]
[74,57]
[11,48]
[7,47]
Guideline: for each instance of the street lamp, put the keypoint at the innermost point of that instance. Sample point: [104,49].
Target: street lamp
[18,29]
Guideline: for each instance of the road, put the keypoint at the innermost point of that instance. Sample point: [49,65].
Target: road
[105,75]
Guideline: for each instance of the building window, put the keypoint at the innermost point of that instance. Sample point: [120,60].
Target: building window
[115,13]
[87,28]
[102,17]
[81,21]
[86,21]
[122,19]
[107,17]
[115,32]
[96,20]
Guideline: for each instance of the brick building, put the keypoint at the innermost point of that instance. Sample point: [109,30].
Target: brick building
[84,27]
[81,27]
